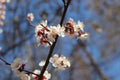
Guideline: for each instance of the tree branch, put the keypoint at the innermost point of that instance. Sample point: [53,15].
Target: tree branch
[15,45]
[93,63]
[53,46]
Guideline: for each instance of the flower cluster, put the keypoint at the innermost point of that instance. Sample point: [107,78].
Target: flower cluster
[60,62]
[46,35]
[46,75]
[2,10]
[18,67]
[42,33]
[73,29]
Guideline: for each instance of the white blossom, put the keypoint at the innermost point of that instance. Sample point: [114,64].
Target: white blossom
[42,34]
[54,60]
[25,77]
[79,26]
[17,63]
[30,16]
[74,30]
[69,28]
[53,33]
[18,66]
[83,36]
[42,63]
[36,72]
[60,62]
[60,30]
[46,75]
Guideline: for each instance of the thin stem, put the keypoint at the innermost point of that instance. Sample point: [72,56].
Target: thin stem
[30,72]
[4,61]
[65,10]
[53,46]
[45,27]
[30,23]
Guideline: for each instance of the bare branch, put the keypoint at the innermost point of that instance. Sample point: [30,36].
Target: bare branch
[93,63]
[64,1]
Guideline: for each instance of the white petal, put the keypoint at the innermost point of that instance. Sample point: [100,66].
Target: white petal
[42,63]
[36,72]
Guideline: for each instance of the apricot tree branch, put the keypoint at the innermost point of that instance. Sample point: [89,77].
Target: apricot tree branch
[53,46]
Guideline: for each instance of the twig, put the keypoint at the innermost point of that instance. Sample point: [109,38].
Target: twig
[64,1]
[4,61]
[30,72]
[45,27]
[15,45]
[30,23]
[52,47]
[93,63]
